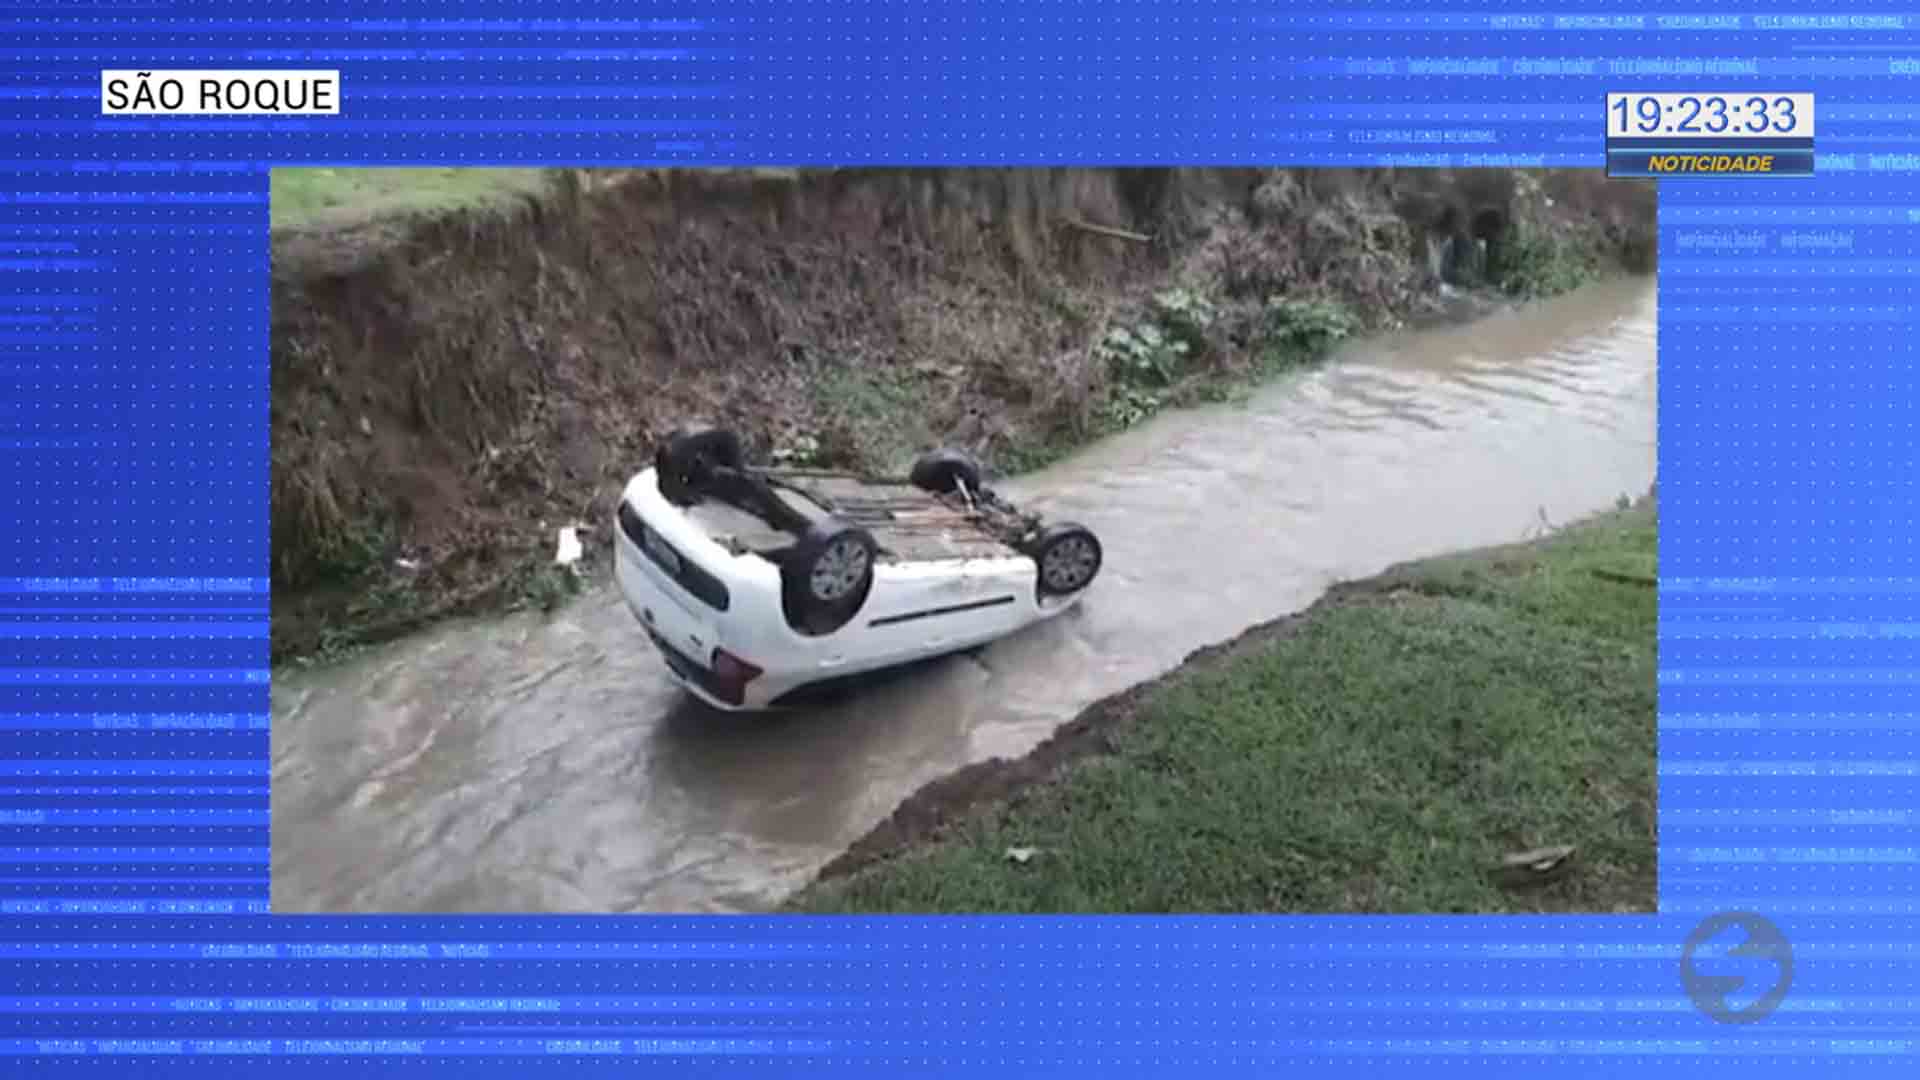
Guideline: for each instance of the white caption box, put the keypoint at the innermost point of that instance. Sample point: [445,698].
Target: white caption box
[153,92]
[1710,117]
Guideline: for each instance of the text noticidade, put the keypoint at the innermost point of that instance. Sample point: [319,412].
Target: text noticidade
[1722,162]
[1678,164]
[219,93]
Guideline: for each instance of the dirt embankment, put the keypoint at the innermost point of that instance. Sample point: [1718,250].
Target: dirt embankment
[448,391]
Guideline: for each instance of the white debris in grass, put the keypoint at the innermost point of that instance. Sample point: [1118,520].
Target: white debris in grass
[570,550]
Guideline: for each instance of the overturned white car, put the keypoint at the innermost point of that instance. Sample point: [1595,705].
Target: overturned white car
[760,585]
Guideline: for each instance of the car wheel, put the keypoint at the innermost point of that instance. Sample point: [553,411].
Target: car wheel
[685,460]
[943,471]
[1068,557]
[827,576]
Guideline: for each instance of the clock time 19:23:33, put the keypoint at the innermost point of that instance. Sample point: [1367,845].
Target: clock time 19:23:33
[1696,115]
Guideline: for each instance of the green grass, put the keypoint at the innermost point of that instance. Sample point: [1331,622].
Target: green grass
[1382,754]
[1535,263]
[874,415]
[302,196]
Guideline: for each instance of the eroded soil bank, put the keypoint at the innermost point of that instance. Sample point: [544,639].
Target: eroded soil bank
[449,390]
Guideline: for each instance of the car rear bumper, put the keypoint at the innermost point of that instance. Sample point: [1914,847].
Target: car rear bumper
[699,679]
[686,640]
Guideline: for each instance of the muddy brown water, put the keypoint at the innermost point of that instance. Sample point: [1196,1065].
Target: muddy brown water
[546,764]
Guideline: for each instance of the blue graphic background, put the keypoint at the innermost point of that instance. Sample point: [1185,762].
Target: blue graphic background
[133,543]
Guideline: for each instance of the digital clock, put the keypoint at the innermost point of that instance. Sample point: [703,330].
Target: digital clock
[1710,117]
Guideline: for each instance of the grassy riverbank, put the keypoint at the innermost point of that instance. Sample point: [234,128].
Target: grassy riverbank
[1384,751]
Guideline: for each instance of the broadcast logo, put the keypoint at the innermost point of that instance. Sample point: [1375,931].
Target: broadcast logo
[1715,994]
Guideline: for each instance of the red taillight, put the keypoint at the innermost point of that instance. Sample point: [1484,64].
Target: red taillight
[732,669]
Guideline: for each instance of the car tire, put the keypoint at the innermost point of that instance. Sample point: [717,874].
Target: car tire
[942,471]
[827,575]
[685,460]
[1067,557]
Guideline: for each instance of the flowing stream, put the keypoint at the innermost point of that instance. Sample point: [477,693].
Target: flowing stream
[545,763]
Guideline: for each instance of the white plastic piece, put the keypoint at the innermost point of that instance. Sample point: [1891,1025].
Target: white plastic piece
[570,550]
